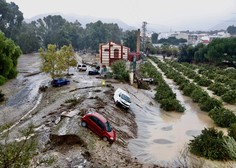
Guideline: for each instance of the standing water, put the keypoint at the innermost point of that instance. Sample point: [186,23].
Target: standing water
[163,135]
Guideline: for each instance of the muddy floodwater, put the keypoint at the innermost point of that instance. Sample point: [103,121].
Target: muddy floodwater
[163,135]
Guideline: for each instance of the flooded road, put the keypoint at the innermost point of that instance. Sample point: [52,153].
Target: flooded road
[22,93]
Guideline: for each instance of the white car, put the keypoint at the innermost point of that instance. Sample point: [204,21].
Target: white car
[82,67]
[122,97]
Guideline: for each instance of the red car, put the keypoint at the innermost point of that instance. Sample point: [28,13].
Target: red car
[99,125]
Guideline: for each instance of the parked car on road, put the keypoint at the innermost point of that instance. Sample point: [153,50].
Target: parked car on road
[82,67]
[93,72]
[122,97]
[59,82]
[99,125]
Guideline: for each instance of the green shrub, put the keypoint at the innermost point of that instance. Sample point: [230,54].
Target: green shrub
[229,97]
[197,78]
[171,105]
[109,75]
[183,84]
[222,117]
[163,92]
[230,146]
[218,88]
[2,80]
[232,130]
[209,144]
[190,74]
[188,89]
[209,103]
[12,73]
[198,94]
[233,85]
[178,79]
[119,70]
[221,79]
[203,81]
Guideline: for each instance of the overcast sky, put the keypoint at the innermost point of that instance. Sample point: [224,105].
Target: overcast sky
[171,13]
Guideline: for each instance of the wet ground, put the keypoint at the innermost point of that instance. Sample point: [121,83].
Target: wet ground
[146,135]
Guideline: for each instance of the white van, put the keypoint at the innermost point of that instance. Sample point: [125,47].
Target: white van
[122,97]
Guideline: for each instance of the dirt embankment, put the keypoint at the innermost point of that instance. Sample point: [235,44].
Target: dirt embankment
[66,133]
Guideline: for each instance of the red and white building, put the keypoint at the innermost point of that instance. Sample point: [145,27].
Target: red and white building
[111,52]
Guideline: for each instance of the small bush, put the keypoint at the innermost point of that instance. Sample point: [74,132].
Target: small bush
[230,146]
[222,117]
[171,105]
[209,103]
[183,84]
[109,75]
[221,79]
[203,81]
[218,88]
[119,70]
[12,74]
[198,94]
[210,144]
[188,89]
[163,92]
[229,97]
[232,131]
[2,80]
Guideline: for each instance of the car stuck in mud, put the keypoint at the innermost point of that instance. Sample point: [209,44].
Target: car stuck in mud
[122,98]
[99,125]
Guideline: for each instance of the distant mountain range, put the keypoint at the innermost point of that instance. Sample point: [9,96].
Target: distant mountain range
[88,19]
[150,27]
[84,20]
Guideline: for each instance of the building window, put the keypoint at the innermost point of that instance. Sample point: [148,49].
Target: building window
[116,53]
[106,49]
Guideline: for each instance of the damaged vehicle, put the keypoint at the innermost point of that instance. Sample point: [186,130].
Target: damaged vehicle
[99,125]
[60,82]
[122,97]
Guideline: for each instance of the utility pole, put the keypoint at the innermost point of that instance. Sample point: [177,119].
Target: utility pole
[144,28]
